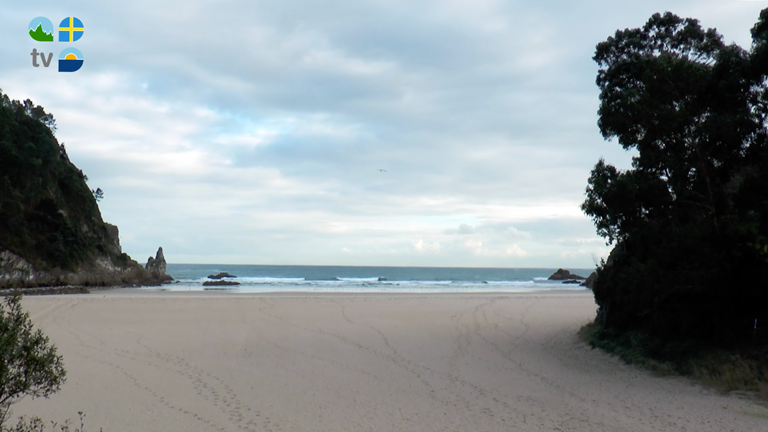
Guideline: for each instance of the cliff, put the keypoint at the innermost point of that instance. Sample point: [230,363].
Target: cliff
[51,230]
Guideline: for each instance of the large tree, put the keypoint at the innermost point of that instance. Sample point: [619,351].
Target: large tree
[690,219]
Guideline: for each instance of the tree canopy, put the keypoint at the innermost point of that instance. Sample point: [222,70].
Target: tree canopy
[690,218]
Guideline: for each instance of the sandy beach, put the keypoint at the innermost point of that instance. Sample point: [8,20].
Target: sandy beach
[155,361]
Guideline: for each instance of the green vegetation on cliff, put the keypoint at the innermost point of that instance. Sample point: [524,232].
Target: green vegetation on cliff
[690,219]
[48,215]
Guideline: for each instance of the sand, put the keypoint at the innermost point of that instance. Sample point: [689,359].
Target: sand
[153,361]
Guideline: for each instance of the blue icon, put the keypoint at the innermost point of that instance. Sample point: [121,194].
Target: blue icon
[70,60]
[70,29]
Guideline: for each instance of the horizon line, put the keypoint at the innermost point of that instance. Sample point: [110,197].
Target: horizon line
[380,266]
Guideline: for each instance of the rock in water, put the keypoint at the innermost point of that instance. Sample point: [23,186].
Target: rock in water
[220,283]
[156,266]
[221,275]
[562,274]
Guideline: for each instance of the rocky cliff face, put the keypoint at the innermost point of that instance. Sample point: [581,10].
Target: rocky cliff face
[51,230]
[16,272]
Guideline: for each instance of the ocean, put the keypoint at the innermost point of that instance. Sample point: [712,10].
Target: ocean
[285,278]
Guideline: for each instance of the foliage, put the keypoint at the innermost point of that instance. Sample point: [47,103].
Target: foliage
[728,371]
[36,424]
[29,365]
[690,219]
[48,215]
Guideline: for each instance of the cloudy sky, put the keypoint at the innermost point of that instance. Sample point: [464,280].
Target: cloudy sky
[254,132]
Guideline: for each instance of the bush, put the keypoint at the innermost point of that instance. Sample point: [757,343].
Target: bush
[744,370]
[36,424]
[29,365]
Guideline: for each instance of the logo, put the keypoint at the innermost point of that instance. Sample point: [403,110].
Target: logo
[70,29]
[41,29]
[70,60]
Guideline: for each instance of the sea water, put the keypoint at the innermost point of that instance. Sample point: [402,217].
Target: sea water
[284,278]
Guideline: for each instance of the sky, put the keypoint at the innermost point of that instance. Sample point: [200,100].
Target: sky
[396,133]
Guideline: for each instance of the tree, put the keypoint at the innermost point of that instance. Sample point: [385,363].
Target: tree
[29,109]
[690,219]
[29,365]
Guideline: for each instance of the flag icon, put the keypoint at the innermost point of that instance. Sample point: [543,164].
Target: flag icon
[70,60]
[70,29]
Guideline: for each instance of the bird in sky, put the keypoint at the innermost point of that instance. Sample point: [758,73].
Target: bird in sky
[381,170]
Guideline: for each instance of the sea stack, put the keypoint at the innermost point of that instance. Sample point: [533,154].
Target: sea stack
[157,266]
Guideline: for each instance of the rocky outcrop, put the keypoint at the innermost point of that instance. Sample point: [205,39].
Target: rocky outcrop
[114,235]
[16,272]
[14,268]
[564,275]
[220,283]
[156,266]
[590,281]
[572,281]
[67,289]
[221,276]
[52,232]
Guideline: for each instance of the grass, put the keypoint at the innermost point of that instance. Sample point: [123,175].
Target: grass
[36,424]
[744,370]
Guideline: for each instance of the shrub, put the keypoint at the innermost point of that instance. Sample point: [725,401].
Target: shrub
[29,365]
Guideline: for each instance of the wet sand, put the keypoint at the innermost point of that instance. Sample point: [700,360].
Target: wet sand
[156,361]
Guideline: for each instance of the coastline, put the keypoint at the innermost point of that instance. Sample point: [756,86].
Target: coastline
[131,291]
[140,359]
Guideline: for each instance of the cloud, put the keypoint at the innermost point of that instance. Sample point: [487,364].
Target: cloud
[260,142]
[473,245]
[516,233]
[581,242]
[463,229]
[515,251]
[421,246]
